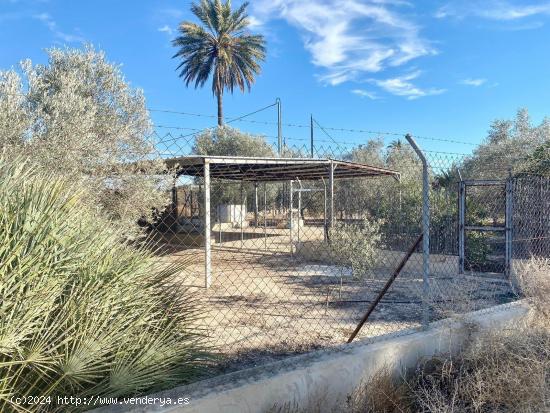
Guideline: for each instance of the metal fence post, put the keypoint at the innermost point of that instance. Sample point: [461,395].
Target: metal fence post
[265,216]
[299,210]
[291,217]
[508,224]
[331,196]
[207,246]
[241,223]
[325,228]
[461,226]
[255,205]
[425,231]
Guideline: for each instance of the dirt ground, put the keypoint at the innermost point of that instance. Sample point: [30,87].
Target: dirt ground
[266,302]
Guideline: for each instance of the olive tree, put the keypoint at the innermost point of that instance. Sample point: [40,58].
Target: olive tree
[14,116]
[539,161]
[78,117]
[228,141]
[509,144]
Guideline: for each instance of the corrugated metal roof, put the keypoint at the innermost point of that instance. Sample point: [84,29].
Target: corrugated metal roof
[259,169]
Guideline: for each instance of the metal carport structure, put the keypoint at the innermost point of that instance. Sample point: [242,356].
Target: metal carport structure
[264,169]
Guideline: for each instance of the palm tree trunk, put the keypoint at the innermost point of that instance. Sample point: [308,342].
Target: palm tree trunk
[219,96]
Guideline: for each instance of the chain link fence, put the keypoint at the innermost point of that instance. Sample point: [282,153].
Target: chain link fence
[288,265]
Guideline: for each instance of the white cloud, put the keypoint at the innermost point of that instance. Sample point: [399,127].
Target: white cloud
[254,23]
[52,26]
[349,38]
[166,29]
[503,10]
[365,94]
[403,86]
[473,82]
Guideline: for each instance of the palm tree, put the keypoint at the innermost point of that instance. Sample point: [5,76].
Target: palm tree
[396,144]
[221,47]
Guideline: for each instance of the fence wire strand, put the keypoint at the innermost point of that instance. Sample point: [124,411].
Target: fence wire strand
[294,268]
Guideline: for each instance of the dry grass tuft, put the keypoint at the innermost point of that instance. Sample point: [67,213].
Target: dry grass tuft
[534,283]
[501,372]
[381,394]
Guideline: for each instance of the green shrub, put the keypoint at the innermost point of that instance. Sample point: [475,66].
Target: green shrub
[477,251]
[355,245]
[81,312]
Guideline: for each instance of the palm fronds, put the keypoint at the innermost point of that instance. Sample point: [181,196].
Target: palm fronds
[221,49]
[81,313]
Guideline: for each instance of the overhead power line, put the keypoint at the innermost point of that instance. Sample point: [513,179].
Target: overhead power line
[291,125]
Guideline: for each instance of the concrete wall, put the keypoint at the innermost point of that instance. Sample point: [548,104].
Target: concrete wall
[330,374]
[232,214]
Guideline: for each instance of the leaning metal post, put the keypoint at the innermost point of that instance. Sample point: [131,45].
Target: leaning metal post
[207,246]
[425,232]
[389,283]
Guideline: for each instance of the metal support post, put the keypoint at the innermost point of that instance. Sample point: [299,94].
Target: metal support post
[219,224]
[509,225]
[331,195]
[425,232]
[265,215]
[461,225]
[207,245]
[299,208]
[291,217]
[255,205]
[241,217]
[325,229]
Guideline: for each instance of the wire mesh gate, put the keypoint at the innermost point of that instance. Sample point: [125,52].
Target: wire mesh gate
[296,264]
[485,225]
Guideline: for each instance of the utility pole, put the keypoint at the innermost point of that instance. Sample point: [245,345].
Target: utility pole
[311,133]
[279,127]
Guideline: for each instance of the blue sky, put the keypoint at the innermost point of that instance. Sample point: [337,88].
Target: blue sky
[442,68]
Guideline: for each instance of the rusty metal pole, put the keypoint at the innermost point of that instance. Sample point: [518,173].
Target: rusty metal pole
[386,287]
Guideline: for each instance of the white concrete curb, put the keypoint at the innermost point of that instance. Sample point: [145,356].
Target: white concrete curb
[329,374]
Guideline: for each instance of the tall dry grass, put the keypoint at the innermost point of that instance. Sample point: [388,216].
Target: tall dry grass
[500,371]
[534,283]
